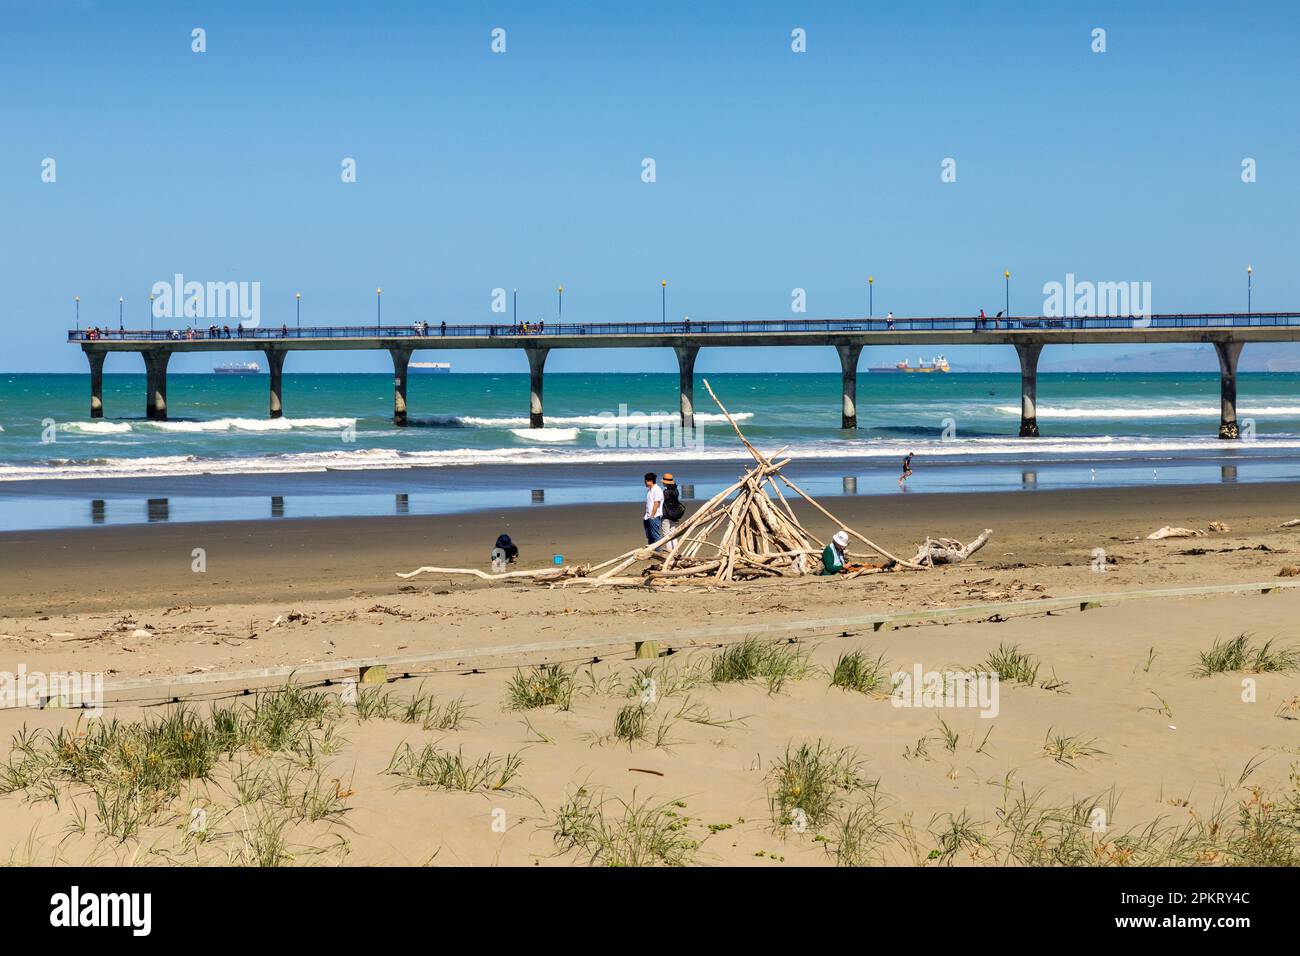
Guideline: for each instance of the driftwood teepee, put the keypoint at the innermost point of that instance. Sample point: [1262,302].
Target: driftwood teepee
[741,533]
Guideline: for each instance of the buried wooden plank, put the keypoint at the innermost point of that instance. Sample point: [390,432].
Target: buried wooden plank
[396,664]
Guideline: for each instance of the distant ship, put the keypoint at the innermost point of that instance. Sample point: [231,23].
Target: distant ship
[940,364]
[438,368]
[238,368]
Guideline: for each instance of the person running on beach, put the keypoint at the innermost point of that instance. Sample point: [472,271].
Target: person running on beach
[674,510]
[835,556]
[907,468]
[654,509]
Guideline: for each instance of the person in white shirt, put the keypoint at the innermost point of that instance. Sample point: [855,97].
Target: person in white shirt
[654,508]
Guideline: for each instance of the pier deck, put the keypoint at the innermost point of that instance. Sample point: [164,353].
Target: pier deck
[1226,332]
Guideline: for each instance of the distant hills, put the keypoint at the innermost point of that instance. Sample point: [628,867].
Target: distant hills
[1256,357]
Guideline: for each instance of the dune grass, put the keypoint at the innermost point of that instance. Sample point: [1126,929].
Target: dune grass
[133,770]
[1012,664]
[1068,749]
[546,685]
[616,832]
[441,769]
[808,783]
[859,832]
[752,659]
[1242,654]
[854,670]
[421,708]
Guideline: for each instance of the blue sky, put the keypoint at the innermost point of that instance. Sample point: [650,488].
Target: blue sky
[775,170]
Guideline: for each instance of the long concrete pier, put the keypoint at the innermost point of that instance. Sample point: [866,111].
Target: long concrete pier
[1228,333]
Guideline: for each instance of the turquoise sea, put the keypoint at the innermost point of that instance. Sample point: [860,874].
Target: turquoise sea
[468,446]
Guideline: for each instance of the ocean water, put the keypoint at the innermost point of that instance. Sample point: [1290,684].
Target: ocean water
[467,446]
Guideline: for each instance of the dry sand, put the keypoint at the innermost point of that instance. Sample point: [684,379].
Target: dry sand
[1167,745]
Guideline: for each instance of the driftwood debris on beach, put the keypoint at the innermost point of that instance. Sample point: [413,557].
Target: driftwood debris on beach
[949,550]
[742,533]
[1171,532]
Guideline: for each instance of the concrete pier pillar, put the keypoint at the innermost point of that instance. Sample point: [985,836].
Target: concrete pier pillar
[401,358]
[1229,353]
[536,362]
[849,355]
[686,383]
[155,368]
[1028,354]
[275,363]
[96,360]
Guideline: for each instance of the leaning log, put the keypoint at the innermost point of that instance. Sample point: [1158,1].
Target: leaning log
[949,550]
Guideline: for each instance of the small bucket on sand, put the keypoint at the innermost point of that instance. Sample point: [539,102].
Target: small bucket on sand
[557,558]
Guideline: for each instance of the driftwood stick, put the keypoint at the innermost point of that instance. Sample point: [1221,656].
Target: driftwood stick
[762,460]
[867,541]
[542,573]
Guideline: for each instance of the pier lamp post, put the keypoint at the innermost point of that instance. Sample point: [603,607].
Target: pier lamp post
[298,307]
[77,299]
[871,296]
[150,311]
[663,301]
[1006,278]
[514,303]
[1249,278]
[379,312]
[121,322]
[559,317]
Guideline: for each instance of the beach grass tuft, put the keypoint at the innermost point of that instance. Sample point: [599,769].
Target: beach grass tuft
[546,685]
[1012,664]
[1066,750]
[441,769]
[854,670]
[808,783]
[616,832]
[1242,654]
[859,833]
[751,659]
[631,722]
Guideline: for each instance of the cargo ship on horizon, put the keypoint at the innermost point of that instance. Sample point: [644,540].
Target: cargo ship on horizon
[939,364]
[238,368]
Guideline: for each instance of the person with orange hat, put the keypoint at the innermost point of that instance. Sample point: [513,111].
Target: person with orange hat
[674,510]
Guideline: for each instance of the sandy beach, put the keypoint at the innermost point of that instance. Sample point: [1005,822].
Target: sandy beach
[1100,711]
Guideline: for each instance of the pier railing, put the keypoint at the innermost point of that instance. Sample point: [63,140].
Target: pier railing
[419,330]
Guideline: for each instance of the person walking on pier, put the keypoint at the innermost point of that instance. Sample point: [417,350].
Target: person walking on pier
[442,329]
[654,509]
[889,322]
